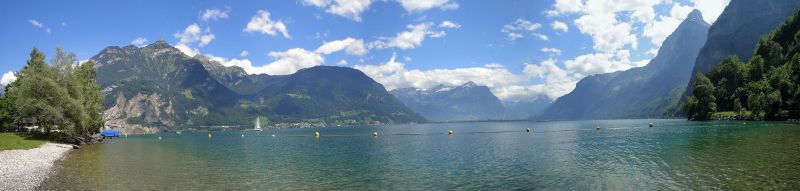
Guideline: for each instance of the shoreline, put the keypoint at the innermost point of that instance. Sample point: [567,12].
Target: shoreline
[27,169]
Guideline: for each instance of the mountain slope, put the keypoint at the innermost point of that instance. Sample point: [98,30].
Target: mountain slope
[738,29]
[157,87]
[638,92]
[444,103]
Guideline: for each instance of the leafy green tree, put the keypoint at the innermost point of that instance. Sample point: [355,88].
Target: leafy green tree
[61,96]
[706,102]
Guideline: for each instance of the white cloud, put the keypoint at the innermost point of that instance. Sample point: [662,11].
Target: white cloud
[214,14]
[422,5]
[263,24]
[406,39]
[711,9]
[40,25]
[193,34]
[36,23]
[449,25]
[139,41]
[290,61]
[437,34]
[557,81]
[520,28]
[541,36]
[597,63]
[286,62]
[8,77]
[560,26]
[503,83]
[350,9]
[350,45]
[662,27]
[189,51]
[552,51]
[244,53]
[342,63]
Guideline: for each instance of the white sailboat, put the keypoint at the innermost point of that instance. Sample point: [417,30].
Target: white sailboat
[258,124]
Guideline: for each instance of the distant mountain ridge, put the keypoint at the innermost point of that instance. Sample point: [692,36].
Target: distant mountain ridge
[648,91]
[465,102]
[157,87]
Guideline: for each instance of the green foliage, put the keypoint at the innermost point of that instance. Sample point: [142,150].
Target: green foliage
[60,96]
[705,103]
[769,84]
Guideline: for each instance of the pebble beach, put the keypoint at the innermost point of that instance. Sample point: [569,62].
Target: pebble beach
[26,169]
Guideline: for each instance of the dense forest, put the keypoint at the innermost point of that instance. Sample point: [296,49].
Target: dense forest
[62,98]
[766,87]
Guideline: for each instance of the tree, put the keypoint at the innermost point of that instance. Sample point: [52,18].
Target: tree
[706,102]
[61,96]
[737,107]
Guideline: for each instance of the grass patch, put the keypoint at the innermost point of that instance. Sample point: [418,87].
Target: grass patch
[13,141]
[730,113]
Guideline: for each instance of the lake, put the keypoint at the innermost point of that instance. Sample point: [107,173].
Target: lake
[564,155]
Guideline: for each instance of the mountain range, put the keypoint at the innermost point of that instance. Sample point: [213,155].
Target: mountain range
[466,102]
[646,91]
[156,87]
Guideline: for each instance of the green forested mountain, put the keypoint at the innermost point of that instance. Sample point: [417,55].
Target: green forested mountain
[647,91]
[737,30]
[766,86]
[156,86]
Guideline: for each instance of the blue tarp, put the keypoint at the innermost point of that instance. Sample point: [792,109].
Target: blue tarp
[110,133]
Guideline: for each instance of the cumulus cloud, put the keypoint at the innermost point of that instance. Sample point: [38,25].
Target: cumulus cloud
[286,62]
[557,81]
[449,25]
[351,46]
[214,14]
[502,82]
[422,5]
[664,25]
[185,49]
[520,28]
[244,53]
[8,77]
[193,34]
[263,24]
[559,26]
[598,63]
[615,28]
[139,41]
[407,39]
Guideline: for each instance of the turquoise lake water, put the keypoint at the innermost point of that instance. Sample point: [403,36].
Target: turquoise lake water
[566,155]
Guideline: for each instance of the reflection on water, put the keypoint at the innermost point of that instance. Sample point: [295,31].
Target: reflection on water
[570,155]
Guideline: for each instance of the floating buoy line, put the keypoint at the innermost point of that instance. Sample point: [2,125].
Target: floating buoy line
[450,132]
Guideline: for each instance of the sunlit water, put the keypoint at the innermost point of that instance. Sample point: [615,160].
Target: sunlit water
[571,155]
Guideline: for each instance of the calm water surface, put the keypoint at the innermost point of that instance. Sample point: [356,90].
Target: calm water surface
[570,155]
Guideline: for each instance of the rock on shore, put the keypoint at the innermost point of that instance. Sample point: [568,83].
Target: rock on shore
[26,169]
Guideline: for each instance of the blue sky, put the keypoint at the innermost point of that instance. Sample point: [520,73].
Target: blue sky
[521,49]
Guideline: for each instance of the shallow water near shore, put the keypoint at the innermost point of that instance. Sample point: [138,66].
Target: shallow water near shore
[566,155]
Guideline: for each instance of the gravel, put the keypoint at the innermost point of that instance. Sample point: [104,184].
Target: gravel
[26,169]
